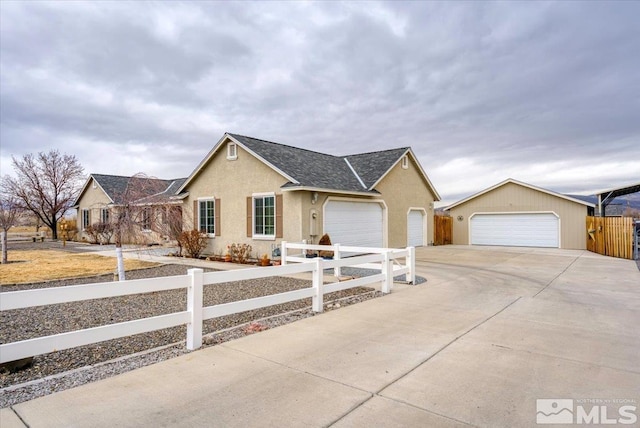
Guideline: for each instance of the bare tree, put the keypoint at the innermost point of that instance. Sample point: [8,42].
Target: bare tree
[138,211]
[46,185]
[9,215]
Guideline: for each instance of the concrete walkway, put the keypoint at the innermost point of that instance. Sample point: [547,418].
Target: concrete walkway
[491,331]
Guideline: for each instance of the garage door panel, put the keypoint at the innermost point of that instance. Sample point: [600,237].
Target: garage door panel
[524,230]
[415,228]
[357,224]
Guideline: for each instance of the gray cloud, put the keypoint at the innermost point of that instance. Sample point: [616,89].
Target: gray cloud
[543,92]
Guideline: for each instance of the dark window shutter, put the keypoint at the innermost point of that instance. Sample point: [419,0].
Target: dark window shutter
[249,216]
[217,218]
[279,216]
[196,226]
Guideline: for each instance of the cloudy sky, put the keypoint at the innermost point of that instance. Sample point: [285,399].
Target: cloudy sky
[547,93]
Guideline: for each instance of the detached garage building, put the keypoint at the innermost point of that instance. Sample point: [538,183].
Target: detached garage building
[513,213]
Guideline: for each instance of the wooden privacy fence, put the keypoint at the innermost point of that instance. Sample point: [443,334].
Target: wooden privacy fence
[610,236]
[443,230]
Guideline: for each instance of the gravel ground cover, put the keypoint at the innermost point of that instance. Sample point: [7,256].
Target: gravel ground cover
[65,369]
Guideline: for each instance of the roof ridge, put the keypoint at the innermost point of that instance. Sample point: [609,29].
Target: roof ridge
[286,145]
[112,175]
[377,151]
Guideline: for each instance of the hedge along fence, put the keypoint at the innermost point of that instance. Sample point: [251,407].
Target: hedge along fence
[193,315]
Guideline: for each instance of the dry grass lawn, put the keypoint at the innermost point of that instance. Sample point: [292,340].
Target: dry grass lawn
[23,229]
[43,265]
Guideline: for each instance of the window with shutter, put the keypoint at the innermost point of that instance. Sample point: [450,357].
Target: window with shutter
[207,216]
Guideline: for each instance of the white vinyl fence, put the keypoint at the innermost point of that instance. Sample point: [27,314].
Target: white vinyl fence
[391,262]
[194,313]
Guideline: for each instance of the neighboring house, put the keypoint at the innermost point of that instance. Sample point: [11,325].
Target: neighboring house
[260,193]
[153,204]
[513,213]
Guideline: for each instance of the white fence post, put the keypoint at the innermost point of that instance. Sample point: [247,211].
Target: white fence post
[387,271]
[283,253]
[411,264]
[318,277]
[194,307]
[337,271]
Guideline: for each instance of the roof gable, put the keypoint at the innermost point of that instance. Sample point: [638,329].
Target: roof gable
[370,167]
[115,187]
[307,169]
[518,183]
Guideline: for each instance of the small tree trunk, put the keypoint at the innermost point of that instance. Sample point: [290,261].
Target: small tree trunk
[4,247]
[120,261]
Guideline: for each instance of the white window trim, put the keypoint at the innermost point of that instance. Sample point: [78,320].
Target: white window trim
[232,151]
[261,237]
[405,162]
[206,199]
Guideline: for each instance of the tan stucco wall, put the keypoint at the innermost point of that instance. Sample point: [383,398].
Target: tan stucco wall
[512,197]
[232,181]
[403,189]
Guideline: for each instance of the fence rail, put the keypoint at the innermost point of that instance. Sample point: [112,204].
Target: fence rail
[391,261]
[611,236]
[194,282]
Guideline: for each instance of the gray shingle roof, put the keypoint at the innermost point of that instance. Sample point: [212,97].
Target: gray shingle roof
[371,166]
[318,170]
[149,190]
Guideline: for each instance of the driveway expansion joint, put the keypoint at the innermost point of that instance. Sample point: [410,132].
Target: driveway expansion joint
[557,276]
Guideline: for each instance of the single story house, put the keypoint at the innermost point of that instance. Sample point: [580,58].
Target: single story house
[153,206]
[513,213]
[257,192]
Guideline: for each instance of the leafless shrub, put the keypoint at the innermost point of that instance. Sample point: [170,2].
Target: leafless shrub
[93,233]
[193,242]
[239,252]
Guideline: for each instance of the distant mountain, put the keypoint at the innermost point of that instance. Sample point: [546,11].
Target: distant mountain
[619,204]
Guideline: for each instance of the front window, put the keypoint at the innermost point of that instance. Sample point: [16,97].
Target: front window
[207,221]
[232,151]
[405,162]
[146,219]
[264,215]
[85,219]
[104,215]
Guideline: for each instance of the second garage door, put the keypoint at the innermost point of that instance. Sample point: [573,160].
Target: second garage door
[352,223]
[518,230]
[415,228]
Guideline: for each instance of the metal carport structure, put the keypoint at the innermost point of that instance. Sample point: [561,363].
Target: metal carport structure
[605,197]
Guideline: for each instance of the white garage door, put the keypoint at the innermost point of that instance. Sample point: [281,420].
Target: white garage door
[415,228]
[518,230]
[357,224]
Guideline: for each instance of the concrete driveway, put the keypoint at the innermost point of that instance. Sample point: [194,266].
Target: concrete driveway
[492,331]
